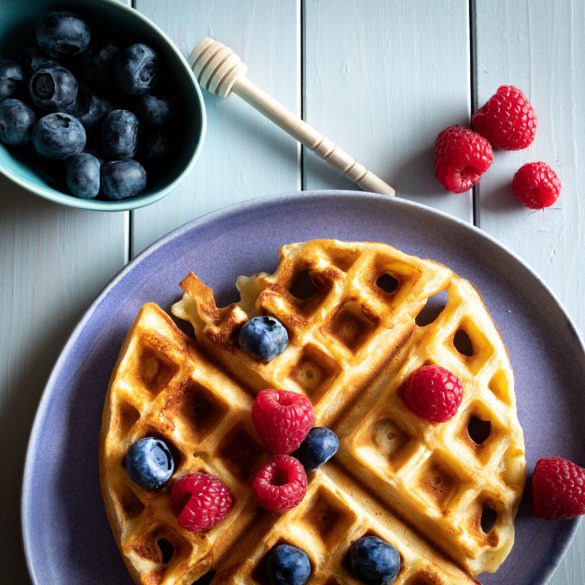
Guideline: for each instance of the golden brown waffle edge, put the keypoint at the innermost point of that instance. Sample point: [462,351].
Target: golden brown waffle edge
[352,343]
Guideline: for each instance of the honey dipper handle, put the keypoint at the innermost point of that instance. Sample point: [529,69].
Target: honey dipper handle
[308,136]
[220,71]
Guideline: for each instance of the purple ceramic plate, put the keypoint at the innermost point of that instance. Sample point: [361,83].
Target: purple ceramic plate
[66,533]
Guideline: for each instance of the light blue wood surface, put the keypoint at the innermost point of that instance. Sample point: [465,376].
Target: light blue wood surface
[380,79]
[244,155]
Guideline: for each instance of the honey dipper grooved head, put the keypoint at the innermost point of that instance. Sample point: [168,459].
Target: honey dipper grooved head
[216,66]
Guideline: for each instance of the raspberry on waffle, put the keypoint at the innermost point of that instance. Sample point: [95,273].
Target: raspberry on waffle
[359,324]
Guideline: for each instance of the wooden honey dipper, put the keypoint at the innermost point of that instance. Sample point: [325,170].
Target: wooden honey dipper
[220,71]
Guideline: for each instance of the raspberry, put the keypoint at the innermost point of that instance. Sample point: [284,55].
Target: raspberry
[433,393]
[282,418]
[558,489]
[507,119]
[202,500]
[280,484]
[536,185]
[461,156]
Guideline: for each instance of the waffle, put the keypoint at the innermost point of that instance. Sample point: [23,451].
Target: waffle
[361,317]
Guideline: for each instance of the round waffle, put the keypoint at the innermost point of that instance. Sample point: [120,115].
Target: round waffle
[361,317]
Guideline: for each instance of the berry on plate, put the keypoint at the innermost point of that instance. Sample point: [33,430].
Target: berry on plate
[136,69]
[63,34]
[460,158]
[263,338]
[287,565]
[149,463]
[202,501]
[319,446]
[10,78]
[282,419]
[374,561]
[122,178]
[536,185]
[53,88]
[57,136]
[83,175]
[120,134]
[280,484]
[507,119]
[433,393]
[558,489]
[16,122]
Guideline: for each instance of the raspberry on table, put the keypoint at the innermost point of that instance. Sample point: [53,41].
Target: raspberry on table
[507,119]
[460,158]
[280,484]
[202,501]
[536,185]
[558,489]
[433,393]
[282,418]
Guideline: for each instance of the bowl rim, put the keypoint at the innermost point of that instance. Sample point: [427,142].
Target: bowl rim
[141,200]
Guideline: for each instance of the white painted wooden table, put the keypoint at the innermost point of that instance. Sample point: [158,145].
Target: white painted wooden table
[380,78]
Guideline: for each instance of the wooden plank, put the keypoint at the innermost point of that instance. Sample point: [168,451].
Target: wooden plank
[381,80]
[536,46]
[244,155]
[53,262]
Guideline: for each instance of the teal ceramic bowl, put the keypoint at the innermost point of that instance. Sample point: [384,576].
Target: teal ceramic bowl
[111,19]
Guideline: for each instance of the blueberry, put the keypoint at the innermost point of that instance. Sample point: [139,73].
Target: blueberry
[317,448]
[57,136]
[287,565]
[122,178]
[154,111]
[120,134]
[149,463]
[263,338]
[136,69]
[53,88]
[63,34]
[90,109]
[16,122]
[98,63]
[10,78]
[156,145]
[374,561]
[32,58]
[83,175]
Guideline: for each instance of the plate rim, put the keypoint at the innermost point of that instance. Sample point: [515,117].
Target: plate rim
[221,214]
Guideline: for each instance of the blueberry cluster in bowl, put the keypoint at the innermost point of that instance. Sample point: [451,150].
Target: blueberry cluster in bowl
[86,111]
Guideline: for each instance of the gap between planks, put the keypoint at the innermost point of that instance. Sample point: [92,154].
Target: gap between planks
[473,87]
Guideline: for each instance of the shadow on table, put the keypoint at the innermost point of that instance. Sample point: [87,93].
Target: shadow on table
[499,197]
[414,174]
[262,138]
